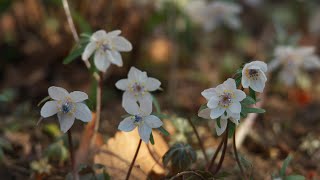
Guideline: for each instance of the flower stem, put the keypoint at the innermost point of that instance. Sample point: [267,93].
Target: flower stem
[133,160]
[199,140]
[225,143]
[98,106]
[74,172]
[236,155]
[215,155]
[70,21]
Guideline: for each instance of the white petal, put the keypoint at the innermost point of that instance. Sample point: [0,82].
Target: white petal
[66,121]
[145,104]
[115,58]
[235,118]
[239,95]
[216,112]
[129,103]
[101,62]
[235,107]
[205,113]
[152,84]
[153,121]
[144,132]
[230,84]
[83,113]
[57,93]
[98,35]
[223,126]
[90,48]
[127,124]
[121,44]
[262,65]
[50,108]
[122,84]
[134,74]
[245,81]
[257,85]
[114,33]
[213,103]
[208,93]
[78,96]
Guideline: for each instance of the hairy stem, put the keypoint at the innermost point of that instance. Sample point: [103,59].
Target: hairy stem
[74,172]
[187,172]
[98,107]
[133,160]
[215,155]
[225,143]
[236,155]
[199,140]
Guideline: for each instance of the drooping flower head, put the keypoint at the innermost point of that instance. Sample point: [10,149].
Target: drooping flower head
[224,98]
[137,87]
[106,48]
[293,60]
[253,75]
[68,107]
[212,15]
[140,117]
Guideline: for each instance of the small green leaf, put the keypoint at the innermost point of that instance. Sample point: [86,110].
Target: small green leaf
[247,110]
[232,128]
[285,165]
[163,131]
[44,100]
[73,55]
[156,104]
[248,101]
[252,93]
[218,122]
[151,139]
[294,177]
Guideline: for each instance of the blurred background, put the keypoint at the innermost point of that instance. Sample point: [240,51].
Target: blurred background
[175,43]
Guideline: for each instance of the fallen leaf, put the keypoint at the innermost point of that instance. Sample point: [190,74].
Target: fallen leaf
[119,151]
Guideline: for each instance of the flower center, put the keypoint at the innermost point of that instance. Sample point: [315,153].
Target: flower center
[137,120]
[252,73]
[66,107]
[225,99]
[106,47]
[138,88]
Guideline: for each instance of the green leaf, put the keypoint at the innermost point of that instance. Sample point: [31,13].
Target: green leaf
[252,93]
[82,22]
[44,100]
[246,110]
[73,55]
[218,122]
[294,177]
[232,128]
[163,131]
[285,165]
[151,139]
[248,101]
[156,104]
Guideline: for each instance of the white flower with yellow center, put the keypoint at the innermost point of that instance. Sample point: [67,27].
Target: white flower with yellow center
[293,60]
[137,87]
[140,117]
[68,107]
[106,47]
[213,14]
[253,75]
[224,98]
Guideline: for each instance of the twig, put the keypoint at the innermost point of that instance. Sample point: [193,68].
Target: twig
[74,172]
[215,155]
[133,160]
[70,21]
[236,155]
[199,140]
[225,143]
[187,172]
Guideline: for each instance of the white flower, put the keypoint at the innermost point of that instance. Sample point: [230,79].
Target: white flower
[224,98]
[213,14]
[137,87]
[106,47]
[253,75]
[141,118]
[234,117]
[67,106]
[293,60]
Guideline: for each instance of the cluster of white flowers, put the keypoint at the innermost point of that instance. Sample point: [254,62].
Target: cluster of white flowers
[213,14]
[224,100]
[293,60]
[68,107]
[137,92]
[106,48]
